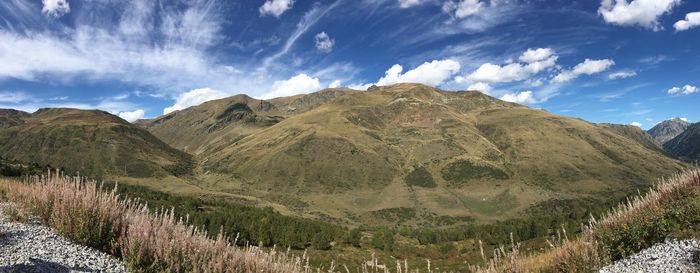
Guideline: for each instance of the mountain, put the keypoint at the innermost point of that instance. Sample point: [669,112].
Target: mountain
[407,154]
[11,117]
[94,143]
[686,145]
[668,129]
[634,133]
[225,120]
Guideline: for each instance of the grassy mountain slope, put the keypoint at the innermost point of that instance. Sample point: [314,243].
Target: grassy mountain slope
[668,129]
[635,133]
[221,122]
[10,117]
[686,145]
[411,154]
[94,143]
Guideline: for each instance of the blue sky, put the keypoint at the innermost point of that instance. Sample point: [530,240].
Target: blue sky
[617,61]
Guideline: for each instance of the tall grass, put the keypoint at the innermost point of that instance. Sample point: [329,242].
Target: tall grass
[147,242]
[638,223]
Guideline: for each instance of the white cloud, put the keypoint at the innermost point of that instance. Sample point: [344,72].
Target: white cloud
[430,73]
[636,124]
[685,90]
[194,97]
[525,98]
[462,8]
[334,84]
[55,8]
[299,84]
[409,3]
[324,43]
[480,86]
[644,13]
[622,74]
[684,119]
[127,53]
[132,116]
[536,55]
[691,20]
[493,73]
[275,7]
[587,67]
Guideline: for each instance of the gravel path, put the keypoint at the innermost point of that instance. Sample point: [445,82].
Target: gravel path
[35,248]
[670,256]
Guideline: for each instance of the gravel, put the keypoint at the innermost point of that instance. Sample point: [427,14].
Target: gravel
[31,247]
[669,256]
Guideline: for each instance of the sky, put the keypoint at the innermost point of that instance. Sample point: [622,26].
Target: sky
[615,61]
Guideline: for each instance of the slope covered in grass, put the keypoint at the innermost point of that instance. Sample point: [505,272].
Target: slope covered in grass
[460,155]
[93,143]
[671,208]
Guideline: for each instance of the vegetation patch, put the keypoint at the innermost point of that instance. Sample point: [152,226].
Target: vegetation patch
[420,177]
[461,171]
[394,215]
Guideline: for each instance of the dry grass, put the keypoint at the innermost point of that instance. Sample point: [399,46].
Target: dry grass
[588,253]
[147,242]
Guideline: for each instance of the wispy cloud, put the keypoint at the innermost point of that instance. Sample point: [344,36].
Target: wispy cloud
[169,53]
[309,19]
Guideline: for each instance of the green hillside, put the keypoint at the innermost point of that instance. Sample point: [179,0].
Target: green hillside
[408,154]
[93,143]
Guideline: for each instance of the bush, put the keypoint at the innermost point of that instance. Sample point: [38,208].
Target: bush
[321,242]
[383,239]
[353,237]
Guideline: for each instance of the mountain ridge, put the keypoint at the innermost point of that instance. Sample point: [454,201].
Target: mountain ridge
[668,129]
[437,153]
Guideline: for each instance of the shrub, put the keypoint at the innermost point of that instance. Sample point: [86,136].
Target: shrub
[383,239]
[353,237]
[321,242]
[420,177]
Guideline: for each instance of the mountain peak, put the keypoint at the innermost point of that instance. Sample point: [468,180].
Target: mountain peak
[668,129]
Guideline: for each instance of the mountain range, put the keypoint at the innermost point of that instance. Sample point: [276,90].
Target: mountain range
[405,154]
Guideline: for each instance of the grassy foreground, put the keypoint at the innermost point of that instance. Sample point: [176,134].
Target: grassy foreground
[145,241]
[671,208]
[158,242]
